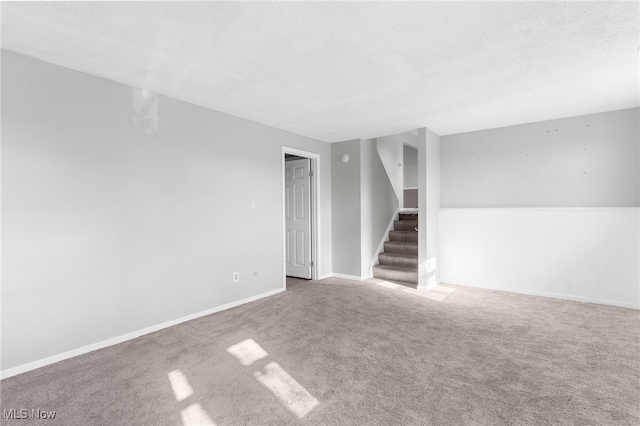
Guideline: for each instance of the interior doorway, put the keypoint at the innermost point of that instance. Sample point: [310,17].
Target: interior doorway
[300,201]
[297,216]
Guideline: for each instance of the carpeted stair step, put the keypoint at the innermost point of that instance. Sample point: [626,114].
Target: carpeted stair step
[405,225]
[399,259]
[408,236]
[408,216]
[401,247]
[396,273]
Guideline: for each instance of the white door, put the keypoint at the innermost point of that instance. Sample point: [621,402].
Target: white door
[297,193]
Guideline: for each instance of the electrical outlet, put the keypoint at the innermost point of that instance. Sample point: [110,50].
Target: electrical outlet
[236,277]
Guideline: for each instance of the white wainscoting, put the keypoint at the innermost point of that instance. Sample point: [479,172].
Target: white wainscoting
[584,254]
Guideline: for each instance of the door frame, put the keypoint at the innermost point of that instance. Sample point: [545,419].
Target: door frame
[315,208]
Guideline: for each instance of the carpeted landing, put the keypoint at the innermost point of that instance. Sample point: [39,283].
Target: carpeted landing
[337,352]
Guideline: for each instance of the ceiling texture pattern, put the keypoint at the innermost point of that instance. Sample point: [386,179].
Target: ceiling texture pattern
[339,71]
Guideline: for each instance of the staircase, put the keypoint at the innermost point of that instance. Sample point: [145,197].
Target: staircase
[399,261]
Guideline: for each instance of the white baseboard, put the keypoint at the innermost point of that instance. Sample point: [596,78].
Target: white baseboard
[128,336]
[428,286]
[556,296]
[348,277]
[322,277]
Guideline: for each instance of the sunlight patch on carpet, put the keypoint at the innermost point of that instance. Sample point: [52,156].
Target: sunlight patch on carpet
[247,352]
[291,393]
[281,384]
[180,385]
[438,293]
[389,285]
[195,415]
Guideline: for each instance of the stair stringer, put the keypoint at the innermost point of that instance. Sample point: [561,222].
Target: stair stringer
[385,238]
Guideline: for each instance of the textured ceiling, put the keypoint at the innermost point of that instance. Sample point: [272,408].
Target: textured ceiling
[338,71]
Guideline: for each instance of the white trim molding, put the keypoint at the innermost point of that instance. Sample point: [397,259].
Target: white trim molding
[348,277]
[555,296]
[432,271]
[408,210]
[316,245]
[128,336]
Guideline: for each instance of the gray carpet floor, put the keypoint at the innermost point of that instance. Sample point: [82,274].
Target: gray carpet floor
[337,352]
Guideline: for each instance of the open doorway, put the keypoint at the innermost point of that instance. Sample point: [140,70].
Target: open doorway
[300,201]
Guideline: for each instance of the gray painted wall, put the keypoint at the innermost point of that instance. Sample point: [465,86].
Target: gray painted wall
[363,203]
[390,152]
[345,203]
[111,227]
[586,161]
[378,202]
[410,166]
[411,198]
